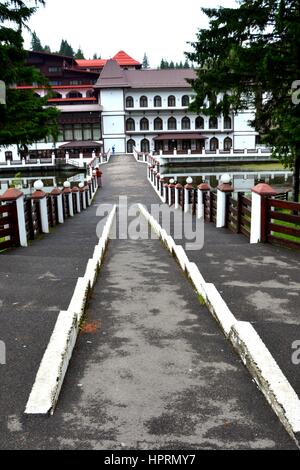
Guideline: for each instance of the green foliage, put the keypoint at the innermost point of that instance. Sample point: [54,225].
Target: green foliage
[145,62]
[24,119]
[79,54]
[36,44]
[66,49]
[250,57]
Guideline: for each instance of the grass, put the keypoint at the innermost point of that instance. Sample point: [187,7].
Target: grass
[284,236]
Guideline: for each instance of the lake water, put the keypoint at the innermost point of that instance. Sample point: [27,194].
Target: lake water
[243,177]
[50,179]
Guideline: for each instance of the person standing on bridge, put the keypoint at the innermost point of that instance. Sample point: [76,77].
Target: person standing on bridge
[99,176]
[113,149]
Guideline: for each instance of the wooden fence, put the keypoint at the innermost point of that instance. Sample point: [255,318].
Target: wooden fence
[9,235]
[281,223]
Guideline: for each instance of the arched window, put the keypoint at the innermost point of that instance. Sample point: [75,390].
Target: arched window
[185,101]
[144,102]
[227,122]
[130,125]
[214,144]
[74,94]
[157,102]
[158,124]
[144,124]
[129,103]
[199,124]
[57,95]
[228,143]
[185,123]
[213,123]
[90,94]
[171,101]
[172,124]
[145,146]
[130,145]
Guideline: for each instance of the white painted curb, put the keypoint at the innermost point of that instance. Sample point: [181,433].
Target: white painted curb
[253,352]
[268,376]
[54,365]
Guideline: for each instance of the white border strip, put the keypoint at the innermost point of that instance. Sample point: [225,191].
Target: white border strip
[49,379]
[250,347]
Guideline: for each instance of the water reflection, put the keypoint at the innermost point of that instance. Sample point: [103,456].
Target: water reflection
[243,178]
[25,182]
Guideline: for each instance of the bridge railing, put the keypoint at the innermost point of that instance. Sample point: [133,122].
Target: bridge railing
[23,219]
[264,216]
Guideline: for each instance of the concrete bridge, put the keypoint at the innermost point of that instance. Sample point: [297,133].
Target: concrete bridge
[152,369]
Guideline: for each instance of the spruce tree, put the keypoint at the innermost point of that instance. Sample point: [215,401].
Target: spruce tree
[145,63]
[249,57]
[24,119]
[36,44]
[79,54]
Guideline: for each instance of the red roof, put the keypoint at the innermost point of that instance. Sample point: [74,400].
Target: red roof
[99,63]
[124,59]
[121,58]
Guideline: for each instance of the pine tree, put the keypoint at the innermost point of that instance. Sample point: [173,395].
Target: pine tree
[24,118]
[36,44]
[66,49]
[186,65]
[145,62]
[249,56]
[171,65]
[79,54]
[47,49]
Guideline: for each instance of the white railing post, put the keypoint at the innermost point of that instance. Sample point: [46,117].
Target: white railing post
[224,188]
[60,213]
[259,193]
[187,191]
[67,191]
[75,191]
[178,188]
[202,188]
[14,195]
[40,196]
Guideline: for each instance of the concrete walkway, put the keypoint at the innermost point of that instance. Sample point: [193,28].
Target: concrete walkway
[151,369]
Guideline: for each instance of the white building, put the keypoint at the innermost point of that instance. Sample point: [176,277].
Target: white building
[120,105]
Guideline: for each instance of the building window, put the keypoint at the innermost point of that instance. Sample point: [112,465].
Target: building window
[90,94]
[228,143]
[158,124]
[185,123]
[213,123]
[54,69]
[227,123]
[145,146]
[130,125]
[74,94]
[96,131]
[68,132]
[144,102]
[8,156]
[77,132]
[87,132]
[199,124]
[214,144]
[129,103]
[75,82]
[144,124]
[185,101]
[130,145]
[172,101]
[157,102]
[172,124]
[57,95]
[54,83]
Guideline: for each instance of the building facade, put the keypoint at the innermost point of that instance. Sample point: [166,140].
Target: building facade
[113,103]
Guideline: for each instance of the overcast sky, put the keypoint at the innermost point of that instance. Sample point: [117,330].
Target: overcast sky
[161,28]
